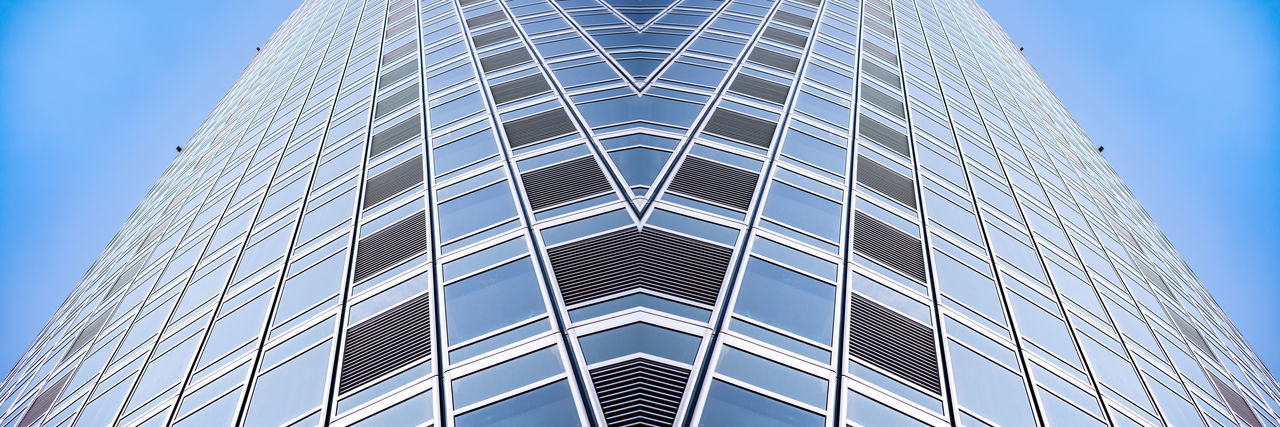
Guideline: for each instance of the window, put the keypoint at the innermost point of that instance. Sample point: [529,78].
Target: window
[491,300]
[772,376]
[506,376]
[788,300]
[291,389]
[639,338]
[820,216]
[731,406]
[475,210]
[549,405]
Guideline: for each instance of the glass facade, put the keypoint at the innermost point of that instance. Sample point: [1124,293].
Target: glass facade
[639,212]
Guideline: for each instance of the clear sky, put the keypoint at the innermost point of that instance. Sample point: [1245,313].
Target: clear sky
[1185,97]
[95,95]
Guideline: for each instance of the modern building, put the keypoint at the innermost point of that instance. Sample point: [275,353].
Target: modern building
[634,213]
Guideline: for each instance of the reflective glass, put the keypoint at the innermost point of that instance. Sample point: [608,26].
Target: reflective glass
[731,406]
[788,300]
[490,300]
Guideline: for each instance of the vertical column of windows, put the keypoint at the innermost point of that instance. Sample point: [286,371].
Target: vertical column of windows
[114,388]
[888,284]
[1129,318]
[214,390]
[773,355]
[500,365]
[389,353]
[293,333]
[181,337]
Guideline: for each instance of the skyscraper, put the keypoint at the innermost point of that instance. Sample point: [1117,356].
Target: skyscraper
[639,212]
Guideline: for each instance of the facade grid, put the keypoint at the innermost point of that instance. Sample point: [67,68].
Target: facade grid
[639,212]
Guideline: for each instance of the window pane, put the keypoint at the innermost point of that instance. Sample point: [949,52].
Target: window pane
[867,412]
[772,376]
[290,389]
[988,389]
[820,217]
[549,405]
[414,411]
[639,338]
[788,300]
[491,300]
[731,406]
[506,376]
[476,210]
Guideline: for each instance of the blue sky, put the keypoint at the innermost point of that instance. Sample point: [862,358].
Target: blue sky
[1185,97]
[95,95]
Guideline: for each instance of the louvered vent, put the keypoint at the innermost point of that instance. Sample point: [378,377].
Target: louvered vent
[741,127]
[538,127]
[876,12]
[1192,334]
[157,231]
[399,73]
[774,59]
[493,37]
[880,178]
[1122,231]
[392,245]
[393,181]
[87,333]
[386,342]
[400,52]
[882,242]
[715,182]
[42,402]
[762,89]
[1154,278]
[883,29]
[880,52]
[793,19]
[785,37]
[125,278]
[486,19]
[883,100]
[627,259]
[395,101]
[1236,402]
[180,196]
[395,135]
[400,27]
[882,74]
[639,392]
[893,342]
[886,136]
[504,59]
[564,182]
[518,89]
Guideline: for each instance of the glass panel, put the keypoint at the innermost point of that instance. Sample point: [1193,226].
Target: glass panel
[549,405]
[788,300]
[867,412]
[478,209]
[988,389]
[413,411]
[490,300]
[506,376]
[639,338]
[731,406]
[772,376]
[291,389]
[820,217]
